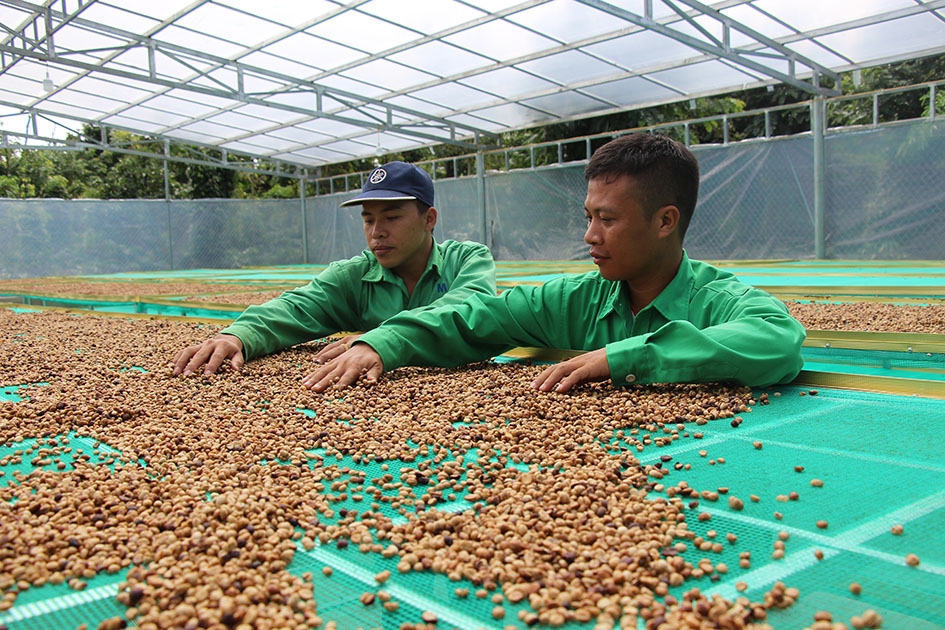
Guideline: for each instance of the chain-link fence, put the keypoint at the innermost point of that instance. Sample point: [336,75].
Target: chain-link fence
[884,199]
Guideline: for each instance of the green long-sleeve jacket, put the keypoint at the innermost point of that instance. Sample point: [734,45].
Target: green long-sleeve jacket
[706,326]
[358,294]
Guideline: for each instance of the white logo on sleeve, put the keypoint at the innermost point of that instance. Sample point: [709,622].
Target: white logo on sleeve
[378,176]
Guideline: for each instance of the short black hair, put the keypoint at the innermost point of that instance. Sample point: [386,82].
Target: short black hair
[666,169]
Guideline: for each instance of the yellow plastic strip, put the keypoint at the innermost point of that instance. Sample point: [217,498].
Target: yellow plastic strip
[881,384]
[889,341]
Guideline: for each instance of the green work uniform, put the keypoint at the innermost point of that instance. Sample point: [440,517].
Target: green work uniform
[358,294]
[705,326]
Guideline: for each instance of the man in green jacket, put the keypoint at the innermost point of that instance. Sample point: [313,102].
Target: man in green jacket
[649,314]
[404,268]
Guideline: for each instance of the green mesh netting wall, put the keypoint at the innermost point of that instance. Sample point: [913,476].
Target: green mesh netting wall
[884,199]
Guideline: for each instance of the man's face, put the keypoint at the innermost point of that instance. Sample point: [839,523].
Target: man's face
[625,245]
[396,231]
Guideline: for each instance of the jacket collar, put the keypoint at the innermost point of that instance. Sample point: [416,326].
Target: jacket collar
[672,302]
[376,273]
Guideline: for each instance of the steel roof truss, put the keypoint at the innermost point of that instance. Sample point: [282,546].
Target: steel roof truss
[180,54]
[720,49]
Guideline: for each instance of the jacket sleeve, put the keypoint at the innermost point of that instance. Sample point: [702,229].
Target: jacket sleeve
[749,339]
[320,308]
[479,328]
[475,274]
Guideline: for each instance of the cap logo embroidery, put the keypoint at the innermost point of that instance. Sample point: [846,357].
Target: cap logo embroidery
[378,176]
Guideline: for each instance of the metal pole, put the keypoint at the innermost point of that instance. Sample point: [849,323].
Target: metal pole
[481,190]
[167,204]
[817,129]
[302,181]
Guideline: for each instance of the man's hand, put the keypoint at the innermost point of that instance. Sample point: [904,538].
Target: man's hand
[584,368]
[210,355]
[358,362]
[335,349]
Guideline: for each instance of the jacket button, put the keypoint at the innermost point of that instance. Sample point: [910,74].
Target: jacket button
[631,378]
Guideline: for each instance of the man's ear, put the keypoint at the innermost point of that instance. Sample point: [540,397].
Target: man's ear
[431,218]
[668,218]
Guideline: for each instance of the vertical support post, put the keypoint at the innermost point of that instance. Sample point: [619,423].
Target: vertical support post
[302,182]
[481,195]
[817,130]
[167,204]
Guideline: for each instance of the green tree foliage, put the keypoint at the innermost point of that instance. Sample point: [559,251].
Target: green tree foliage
[29,174]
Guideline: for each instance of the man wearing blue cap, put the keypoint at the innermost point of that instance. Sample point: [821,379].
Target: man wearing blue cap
[403,268]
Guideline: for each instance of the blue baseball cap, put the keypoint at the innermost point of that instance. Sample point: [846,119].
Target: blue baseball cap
[397,181]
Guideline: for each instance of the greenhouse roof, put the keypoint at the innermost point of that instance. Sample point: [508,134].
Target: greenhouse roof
[315,82]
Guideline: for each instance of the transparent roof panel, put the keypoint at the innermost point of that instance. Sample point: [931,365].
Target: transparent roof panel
[313,51]
[362,32]
[507,81]
[415,105]
[161,117]
[510,116]
[268,113]
[810,15]
[240,121]
[297,134]
[272,144]
[20,91]
[212,129]
[440,58]
[157,10]
[698,78]
[124,91]
[454,96]
[565,105]
[818,52]
[227,24]
[640,50]
[11,16]
[910,32]
[500,40]
[109,13]
[61,107]
[89,101]
[124,122]
[573,66]
[567,20]
[352,86]
[643,91]
[188,38]
[290,13]
[316,81]
[751,17]
[421,16]
[387,74]
[179,106]
[278,64]
[190,136]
